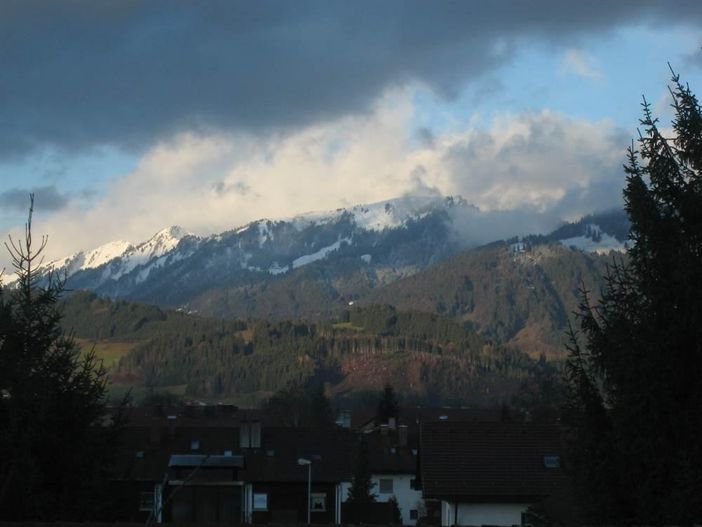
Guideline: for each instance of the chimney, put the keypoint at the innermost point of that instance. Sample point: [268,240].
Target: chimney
[172,426]
[250,434]
[256,434]
[244,435]
[402,433]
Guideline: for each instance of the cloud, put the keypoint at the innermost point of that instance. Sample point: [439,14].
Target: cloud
[46,199]
[131,74]
[544,161]
[527,172]
[579,63]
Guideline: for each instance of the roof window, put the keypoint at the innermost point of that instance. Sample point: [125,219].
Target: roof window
[552,461]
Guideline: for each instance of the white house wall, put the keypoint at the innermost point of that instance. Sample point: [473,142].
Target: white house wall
[483,513]
[407,498]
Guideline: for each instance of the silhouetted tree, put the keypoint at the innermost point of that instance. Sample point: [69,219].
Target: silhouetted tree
[54,452]
[299,405]
[635,371]
[361,489]
[387,405]
[396,512]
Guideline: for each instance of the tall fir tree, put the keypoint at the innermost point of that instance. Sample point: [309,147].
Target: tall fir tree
[54,453]
[361,489]
[388,407]
[635,372]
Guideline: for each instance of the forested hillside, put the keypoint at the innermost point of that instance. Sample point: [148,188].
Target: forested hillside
[428,357]
[519,294]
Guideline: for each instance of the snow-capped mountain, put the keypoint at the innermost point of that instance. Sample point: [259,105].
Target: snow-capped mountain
[290,264]
[596,233]
[172,266]
[130,256]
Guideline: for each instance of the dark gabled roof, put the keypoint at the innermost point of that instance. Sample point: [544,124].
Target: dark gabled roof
[330,450]
[476,461]
[144,451]
[205,461]
[193,416]
[387,456]
[413,416]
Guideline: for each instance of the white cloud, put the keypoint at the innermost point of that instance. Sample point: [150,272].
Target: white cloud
[538,164]
[576,62]
[537,160]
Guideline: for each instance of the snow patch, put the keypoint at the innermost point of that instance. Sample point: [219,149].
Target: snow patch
[319,255]
[277,269]
[594,241]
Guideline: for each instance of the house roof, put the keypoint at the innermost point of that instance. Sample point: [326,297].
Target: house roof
[413,416]
[145,450]
[387,456]
[473,461]
[206,460]
[277,460]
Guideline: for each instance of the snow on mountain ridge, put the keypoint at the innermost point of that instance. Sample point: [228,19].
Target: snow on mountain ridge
[91,259]
[132,255]
[121,258]
[594,240]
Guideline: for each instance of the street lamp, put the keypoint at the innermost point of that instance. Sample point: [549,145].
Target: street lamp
[302,462]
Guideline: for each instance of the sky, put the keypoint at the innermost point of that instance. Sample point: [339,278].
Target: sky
[125,117]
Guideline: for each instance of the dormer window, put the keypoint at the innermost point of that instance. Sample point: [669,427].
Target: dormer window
[552,461]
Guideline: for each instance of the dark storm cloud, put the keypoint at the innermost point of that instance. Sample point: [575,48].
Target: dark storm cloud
[47,199]
[76,74]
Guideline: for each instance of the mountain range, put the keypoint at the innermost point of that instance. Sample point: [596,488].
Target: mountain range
[309,265]
[420,255]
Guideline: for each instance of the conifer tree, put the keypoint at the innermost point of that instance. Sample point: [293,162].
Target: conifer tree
[635,372]
[361,489]
[54,457]
[387,405]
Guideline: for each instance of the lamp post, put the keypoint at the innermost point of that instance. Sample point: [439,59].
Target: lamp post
[302,462]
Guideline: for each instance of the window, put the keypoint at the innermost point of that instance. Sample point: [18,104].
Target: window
[552,461]
[414,514]
[260,501]
[146,501]
[195,444]
[413,483]
[140,454]
[385,486]
[318,502]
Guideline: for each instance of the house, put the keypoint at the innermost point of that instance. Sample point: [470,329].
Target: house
[276,475]
[392,460]
[164,450]
[393,453]
[228,466]
[491,473]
